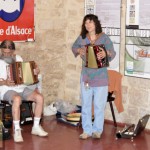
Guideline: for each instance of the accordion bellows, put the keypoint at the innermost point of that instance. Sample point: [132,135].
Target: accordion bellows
[91,57]
[22,72]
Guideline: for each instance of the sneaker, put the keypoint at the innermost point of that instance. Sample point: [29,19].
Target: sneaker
[96,135]
[18,136]
[84,136]
[39,131]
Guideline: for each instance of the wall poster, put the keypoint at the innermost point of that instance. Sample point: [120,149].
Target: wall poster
[137,54]
[132,14]
[108,12]
[17,20]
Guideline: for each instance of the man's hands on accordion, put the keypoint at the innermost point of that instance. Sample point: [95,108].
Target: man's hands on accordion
[36,70]
[7,82]
[10,82]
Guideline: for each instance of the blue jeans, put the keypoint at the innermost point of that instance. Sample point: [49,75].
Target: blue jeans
[97,95]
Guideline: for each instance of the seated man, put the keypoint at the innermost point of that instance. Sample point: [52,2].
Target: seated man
[16,93]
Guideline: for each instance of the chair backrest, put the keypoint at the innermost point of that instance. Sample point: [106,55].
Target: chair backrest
[110,97]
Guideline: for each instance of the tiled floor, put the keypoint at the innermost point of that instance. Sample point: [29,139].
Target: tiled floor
[66,137]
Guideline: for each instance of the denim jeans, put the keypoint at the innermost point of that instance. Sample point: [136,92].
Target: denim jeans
[97,95]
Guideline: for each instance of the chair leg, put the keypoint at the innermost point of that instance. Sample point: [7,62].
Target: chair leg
[113,114]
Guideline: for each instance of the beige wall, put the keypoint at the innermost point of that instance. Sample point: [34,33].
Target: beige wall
[57,25]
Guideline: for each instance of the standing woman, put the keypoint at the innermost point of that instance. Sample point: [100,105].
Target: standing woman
[94,82]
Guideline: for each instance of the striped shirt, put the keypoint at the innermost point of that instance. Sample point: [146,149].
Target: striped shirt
[94,77]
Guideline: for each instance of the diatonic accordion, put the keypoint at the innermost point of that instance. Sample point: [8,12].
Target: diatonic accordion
[91,57]
[22,72]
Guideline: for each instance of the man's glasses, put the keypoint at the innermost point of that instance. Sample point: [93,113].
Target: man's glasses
[7,47]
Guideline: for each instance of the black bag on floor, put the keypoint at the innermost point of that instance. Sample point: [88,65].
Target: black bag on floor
[4,132]
[131,131]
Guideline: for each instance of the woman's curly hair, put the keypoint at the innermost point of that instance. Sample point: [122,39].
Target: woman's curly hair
[97,25]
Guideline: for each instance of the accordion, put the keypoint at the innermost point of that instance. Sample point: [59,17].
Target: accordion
[22,72]
[91,57]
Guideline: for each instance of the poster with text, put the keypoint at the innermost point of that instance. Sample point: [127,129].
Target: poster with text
[137,52]
[17,20]
[132,13]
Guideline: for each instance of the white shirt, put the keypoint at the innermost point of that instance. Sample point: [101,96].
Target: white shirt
[3,75]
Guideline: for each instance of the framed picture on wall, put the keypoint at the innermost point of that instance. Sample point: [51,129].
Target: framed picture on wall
[137,52]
